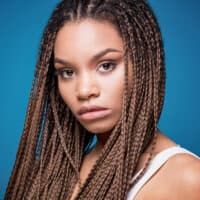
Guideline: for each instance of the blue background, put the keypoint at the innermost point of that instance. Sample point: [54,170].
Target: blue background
[22,24]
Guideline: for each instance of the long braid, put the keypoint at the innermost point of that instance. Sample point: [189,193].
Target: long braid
[53,142]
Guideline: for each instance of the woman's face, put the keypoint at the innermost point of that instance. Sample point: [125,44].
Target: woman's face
[88,58]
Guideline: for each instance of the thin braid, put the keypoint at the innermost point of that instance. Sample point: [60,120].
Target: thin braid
[109,149]
[60,134]
[29,151]
[124,175]
[53,142]
[124,130]
[125,170]
[124,126]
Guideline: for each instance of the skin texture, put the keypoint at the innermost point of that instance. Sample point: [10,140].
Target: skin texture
[89,83]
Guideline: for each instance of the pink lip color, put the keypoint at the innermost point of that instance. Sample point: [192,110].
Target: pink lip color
[95,114]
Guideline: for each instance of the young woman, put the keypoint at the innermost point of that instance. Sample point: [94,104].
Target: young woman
[100,73]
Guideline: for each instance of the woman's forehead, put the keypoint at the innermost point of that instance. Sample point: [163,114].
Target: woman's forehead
[87,37]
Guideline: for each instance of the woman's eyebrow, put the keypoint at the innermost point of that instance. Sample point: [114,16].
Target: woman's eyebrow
[104,52]
[95,57]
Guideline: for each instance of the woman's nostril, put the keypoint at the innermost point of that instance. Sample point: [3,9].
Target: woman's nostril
[86,92]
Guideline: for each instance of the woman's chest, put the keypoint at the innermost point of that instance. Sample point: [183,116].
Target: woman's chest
[86,167]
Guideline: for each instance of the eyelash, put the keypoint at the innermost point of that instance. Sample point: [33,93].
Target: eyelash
[60,72]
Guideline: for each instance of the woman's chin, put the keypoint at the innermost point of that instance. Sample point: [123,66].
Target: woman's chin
[100,129]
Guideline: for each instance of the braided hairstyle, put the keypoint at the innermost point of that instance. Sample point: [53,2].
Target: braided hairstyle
[53,142]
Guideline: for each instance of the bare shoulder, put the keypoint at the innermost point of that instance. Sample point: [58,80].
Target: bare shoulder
[179,177]
[183,176]
[190,169]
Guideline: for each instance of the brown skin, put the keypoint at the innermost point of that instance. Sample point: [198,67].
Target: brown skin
[179,178]
[173,183]
[87,85]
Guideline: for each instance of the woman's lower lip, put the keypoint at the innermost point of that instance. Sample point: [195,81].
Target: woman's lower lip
[95,114]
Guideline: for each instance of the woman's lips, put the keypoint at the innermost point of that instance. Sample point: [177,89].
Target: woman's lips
[93,113]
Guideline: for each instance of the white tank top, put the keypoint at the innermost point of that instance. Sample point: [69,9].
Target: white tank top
[157,162]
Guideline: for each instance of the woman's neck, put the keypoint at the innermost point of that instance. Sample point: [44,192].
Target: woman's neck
[101,141]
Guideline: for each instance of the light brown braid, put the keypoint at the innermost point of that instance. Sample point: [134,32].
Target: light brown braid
[53,142]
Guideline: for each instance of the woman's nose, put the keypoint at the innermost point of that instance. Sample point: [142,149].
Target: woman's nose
[87,88]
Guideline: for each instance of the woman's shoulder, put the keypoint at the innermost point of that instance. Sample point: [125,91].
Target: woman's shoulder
[181,175]
[174,173]
[181,172]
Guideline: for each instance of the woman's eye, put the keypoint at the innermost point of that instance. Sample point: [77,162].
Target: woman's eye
[106,67]
[64,73]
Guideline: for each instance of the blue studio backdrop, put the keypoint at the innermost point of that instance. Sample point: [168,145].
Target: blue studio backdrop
[22,24]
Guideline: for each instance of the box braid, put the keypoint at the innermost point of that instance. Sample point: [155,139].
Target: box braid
[53,142]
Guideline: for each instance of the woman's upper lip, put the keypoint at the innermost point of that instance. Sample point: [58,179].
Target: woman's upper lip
[85,109]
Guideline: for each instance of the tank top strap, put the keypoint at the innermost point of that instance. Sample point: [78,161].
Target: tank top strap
[156,163]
